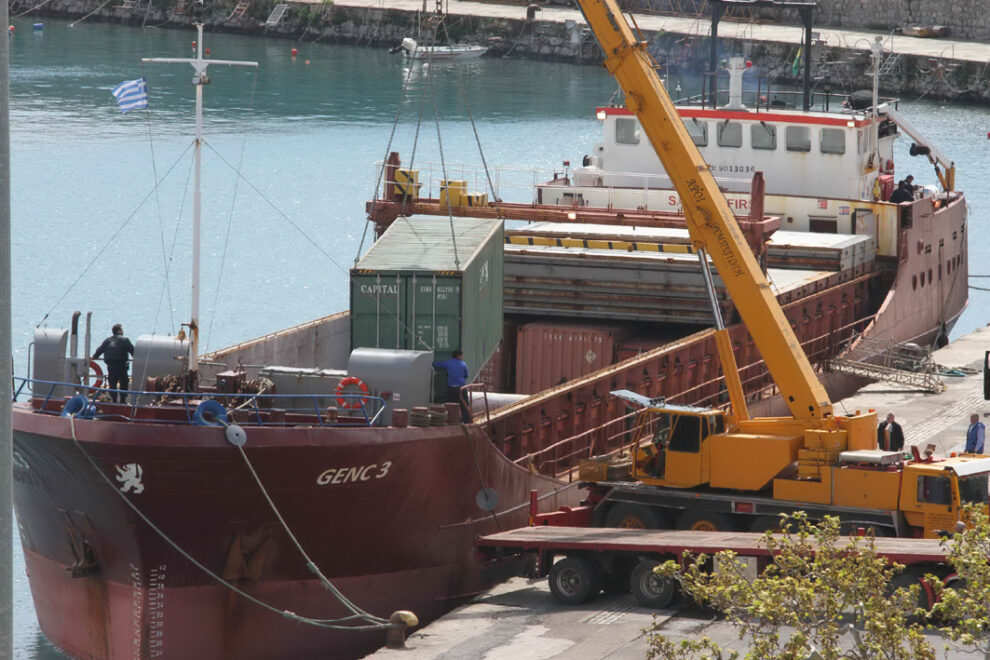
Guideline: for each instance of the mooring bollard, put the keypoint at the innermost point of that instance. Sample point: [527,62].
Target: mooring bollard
[395,637]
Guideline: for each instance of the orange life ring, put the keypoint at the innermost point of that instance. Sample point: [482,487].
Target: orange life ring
[94,366]
[342,386]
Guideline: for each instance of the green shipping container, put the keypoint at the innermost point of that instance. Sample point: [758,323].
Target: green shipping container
[414,290]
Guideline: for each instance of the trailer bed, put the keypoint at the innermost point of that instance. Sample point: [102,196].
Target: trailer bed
[905,551]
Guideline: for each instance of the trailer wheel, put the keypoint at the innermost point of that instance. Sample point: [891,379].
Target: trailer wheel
[926,596]
[635,516]
[707,521]
[574,580]
[652,590]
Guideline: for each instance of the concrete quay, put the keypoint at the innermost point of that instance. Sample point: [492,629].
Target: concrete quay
[520,619]
[964,51]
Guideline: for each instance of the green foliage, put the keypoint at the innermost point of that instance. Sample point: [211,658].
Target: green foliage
[822,596]
[965,609]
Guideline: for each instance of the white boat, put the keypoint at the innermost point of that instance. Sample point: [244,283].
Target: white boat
[414,51]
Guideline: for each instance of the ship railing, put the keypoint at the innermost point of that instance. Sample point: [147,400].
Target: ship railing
[257,409]
[507,184]
[587,449]
[768,97]
[626,190]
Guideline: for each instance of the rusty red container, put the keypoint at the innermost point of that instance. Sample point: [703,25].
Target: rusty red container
[548,354]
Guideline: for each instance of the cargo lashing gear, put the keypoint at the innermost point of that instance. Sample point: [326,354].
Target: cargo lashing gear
[372,622]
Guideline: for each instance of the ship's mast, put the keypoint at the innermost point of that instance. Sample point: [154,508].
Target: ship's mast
[199,79]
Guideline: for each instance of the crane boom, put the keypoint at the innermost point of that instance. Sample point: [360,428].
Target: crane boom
[710,221]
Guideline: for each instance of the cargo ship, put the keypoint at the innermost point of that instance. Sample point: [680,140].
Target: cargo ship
[285,496]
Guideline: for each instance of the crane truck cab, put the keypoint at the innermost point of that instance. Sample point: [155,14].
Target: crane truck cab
[933,491]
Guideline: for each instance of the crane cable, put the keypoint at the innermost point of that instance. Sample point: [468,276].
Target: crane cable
[443,163]
[481,152]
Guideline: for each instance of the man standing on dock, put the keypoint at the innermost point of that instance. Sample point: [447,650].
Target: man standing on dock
[115,350]
[457,376]
[890,436]
[975,435]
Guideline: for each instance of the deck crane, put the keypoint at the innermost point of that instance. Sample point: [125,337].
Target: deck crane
[701,460]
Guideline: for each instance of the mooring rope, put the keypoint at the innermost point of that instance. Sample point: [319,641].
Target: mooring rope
[332,624]
[74,23]
[310,564]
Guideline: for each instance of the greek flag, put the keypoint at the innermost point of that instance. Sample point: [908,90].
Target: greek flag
[131,95]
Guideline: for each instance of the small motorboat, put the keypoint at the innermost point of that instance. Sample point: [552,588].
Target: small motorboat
[930,31]
[414,51]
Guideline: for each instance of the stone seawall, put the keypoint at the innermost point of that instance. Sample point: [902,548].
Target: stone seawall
[966,19]
[841,70]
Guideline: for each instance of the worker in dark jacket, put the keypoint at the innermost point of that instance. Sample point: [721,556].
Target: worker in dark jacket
[890,437]
[904,192]
[115,350]
[457,377]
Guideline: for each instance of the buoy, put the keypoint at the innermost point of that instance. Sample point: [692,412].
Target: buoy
[207,50]
[194,44]
[38,26]
[293,52]
[307,62]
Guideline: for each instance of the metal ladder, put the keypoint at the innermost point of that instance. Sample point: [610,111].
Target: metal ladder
[277,14]
[239,10]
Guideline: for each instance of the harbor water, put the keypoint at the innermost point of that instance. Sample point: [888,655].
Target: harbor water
[288,164]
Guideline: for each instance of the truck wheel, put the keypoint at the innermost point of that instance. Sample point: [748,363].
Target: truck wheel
[574,580]
[635,516]
[707,521]
[652,590]
[763,524]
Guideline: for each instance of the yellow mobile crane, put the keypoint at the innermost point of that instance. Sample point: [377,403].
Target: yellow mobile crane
[699,468]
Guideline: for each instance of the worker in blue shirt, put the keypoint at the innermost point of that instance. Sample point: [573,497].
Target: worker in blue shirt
[457,377]
[975,435]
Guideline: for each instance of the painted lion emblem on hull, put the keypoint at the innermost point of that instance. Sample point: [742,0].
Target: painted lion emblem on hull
[129,477]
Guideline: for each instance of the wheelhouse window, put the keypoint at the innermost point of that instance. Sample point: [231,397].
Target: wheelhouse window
[626,131]
[935,490]
[798,138]
[730,134]
[833,141]
[698,130]
[763,136]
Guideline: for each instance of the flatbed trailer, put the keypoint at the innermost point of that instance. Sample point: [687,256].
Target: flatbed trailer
[620,560]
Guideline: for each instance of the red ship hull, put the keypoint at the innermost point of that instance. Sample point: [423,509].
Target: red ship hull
[138,597]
